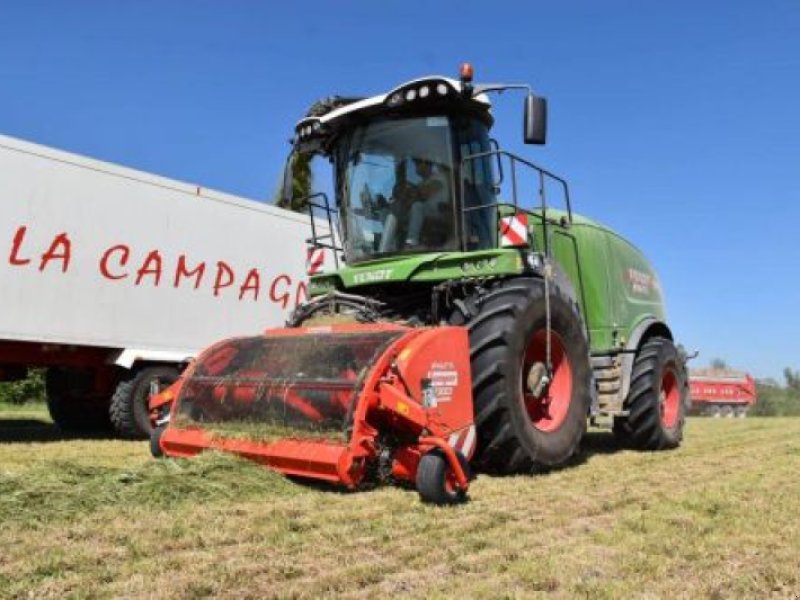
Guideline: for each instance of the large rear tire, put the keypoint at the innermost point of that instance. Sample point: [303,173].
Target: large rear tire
[129,411]
[657,399]
[71,401]
[518,430]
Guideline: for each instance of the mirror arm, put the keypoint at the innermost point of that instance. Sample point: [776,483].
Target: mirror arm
[500,88]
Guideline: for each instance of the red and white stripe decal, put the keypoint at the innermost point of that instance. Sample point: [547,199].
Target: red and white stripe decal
[514,230]
[315,260]
[463,441]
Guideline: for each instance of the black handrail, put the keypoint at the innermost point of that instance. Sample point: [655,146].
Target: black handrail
[327,240]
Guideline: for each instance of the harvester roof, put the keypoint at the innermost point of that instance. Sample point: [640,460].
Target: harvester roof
[427,94]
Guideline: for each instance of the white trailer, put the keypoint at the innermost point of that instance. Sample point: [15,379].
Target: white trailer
[113,278]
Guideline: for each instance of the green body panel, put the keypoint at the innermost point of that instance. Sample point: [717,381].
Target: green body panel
[430,267]
[614,284]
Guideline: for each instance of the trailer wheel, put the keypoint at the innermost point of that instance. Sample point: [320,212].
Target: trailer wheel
[435,481]
[129,411]
[656,401]
[713,411]
[520,424]
[155,441]
[70,402]
[727,411]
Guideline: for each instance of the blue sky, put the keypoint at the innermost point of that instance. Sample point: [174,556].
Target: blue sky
[675,122]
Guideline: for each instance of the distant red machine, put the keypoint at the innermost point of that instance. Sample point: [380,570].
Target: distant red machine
[718,393]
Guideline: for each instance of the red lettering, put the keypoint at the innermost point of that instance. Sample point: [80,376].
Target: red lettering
[150,266]
[60,249]
[251,283]
[224,277]
[182,271]
[123,260]
[301,294]
[14,258]
[283,299]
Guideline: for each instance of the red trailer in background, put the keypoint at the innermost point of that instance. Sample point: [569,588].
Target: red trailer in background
[718,393]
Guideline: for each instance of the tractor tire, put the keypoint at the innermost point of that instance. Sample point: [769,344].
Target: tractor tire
[657,399]
[433,479]
[518,431]
[71,404]
[129,411]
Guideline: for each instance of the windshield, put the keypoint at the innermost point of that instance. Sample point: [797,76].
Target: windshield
[397,187]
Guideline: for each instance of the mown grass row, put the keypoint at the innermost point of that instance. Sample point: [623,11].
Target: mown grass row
[715,518]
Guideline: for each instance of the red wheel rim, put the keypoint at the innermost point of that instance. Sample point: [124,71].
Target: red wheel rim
[670,398]
[549,410]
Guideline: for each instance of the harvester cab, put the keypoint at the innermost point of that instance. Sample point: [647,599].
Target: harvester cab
[415,169]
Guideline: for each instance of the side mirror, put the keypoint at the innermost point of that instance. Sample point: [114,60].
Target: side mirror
[535,120]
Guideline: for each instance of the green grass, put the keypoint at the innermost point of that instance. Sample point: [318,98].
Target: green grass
[98,518]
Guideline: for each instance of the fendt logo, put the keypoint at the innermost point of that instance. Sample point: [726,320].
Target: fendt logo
[373,276]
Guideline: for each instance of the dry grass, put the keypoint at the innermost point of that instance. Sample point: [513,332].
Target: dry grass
[716,519]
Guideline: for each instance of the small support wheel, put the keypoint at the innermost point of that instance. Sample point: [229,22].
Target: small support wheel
[436,482]
[155,441]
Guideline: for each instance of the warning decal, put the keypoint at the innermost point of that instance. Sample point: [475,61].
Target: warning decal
[444,379]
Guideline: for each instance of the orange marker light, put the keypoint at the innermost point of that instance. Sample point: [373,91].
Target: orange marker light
[466,72]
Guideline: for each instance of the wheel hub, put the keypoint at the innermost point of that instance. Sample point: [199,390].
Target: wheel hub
[547,395]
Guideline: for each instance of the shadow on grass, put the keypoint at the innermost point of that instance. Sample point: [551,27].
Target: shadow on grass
[601,442]
[26,430]
[594,443]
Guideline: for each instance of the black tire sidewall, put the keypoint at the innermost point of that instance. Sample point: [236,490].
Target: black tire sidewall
[155,441]
[644,426]
[550,447]
[129,407]
[432,472]
[668,359]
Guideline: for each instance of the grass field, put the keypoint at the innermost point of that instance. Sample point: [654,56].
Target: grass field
[718,518]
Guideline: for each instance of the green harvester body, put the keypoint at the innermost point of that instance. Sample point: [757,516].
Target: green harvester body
[615,286]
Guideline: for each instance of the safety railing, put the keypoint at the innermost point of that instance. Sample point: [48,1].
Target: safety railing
[543,176]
